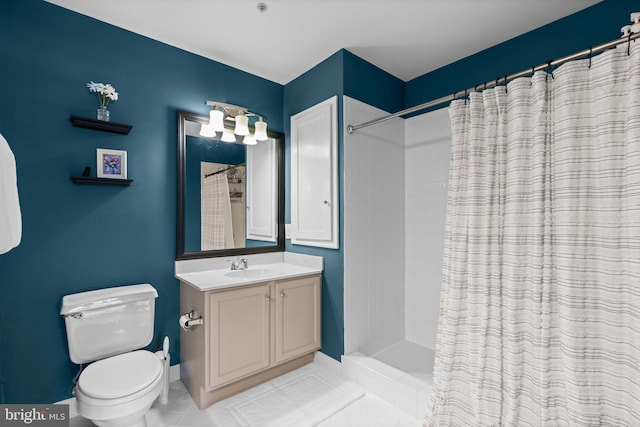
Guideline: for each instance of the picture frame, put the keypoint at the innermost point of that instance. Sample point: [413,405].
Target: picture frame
[111,163]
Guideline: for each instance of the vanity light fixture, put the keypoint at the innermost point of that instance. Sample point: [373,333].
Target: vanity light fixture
[238,119]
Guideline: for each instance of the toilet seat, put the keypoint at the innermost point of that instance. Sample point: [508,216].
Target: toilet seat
[120,410]
[120,376]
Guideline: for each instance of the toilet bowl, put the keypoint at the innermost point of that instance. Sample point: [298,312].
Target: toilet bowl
[107,329]
[119,390]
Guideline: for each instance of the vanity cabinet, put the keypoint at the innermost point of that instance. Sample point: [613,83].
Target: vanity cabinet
[250,334]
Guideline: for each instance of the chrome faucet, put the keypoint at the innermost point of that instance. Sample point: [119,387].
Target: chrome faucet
[240,264]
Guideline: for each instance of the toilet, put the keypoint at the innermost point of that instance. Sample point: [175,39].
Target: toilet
[107,328]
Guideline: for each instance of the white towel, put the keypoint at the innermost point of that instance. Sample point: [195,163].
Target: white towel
[10,218]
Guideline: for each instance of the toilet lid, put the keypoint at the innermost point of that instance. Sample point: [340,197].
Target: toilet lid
[120,375]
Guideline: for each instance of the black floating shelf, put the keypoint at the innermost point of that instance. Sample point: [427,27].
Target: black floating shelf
[101,181]
[83,122]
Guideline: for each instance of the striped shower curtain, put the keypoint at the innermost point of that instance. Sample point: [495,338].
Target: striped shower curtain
[540,303]
[216,220]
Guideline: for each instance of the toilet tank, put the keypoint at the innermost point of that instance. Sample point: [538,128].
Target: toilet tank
[107,322]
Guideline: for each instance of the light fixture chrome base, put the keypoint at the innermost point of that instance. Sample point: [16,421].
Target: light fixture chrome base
[234,113]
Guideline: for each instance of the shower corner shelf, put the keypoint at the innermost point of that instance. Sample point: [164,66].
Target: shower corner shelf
[83,122]
[101,181]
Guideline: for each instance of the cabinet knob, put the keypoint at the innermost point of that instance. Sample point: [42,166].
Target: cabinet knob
[326,202]
[282,294]
[267,298]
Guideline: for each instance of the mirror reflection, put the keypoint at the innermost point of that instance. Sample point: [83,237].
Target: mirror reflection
[222,212]
[215,195]
[229,193]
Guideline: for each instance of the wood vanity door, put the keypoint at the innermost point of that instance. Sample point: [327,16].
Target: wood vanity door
[239,333]
[297,317]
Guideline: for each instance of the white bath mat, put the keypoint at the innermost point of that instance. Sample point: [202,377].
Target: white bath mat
[302,398]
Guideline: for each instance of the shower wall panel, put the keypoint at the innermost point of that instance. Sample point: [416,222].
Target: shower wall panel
[374,231]
[428,146]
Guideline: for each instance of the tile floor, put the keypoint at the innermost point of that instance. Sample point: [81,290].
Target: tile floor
[181,411]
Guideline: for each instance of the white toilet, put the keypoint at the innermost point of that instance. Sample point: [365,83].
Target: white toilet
[109,327]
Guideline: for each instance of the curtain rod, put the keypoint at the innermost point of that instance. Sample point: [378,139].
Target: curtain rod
[224,170]
[488,85]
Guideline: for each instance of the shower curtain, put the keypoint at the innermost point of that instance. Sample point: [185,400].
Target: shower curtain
[216,223]
[540,305]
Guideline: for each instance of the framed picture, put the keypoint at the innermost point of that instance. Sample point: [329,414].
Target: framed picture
[111,163]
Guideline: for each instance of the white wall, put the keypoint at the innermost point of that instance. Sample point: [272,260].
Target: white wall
[374,240]
[428,146]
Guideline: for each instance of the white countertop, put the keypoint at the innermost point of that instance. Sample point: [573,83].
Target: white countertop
[214,273]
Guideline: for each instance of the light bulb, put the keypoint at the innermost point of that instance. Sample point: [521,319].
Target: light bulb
[216,120]
[249,140]
[261,130]
[242,125]
[228,136]
[207,131]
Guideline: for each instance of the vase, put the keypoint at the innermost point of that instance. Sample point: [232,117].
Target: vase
[103,114]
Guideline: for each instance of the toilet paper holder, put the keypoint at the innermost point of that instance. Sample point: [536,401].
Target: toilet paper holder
[190,319]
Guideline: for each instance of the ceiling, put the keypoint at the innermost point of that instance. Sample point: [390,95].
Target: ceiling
[406,38]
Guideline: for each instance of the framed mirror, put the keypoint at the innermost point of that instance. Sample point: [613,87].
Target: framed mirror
[230,195]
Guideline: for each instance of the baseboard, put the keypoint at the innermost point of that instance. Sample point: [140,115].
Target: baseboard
[174,375]
[328,362]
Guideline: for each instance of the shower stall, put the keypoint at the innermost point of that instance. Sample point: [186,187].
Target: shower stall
[395,194]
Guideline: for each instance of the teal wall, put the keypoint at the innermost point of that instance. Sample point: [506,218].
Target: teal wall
[371,85]
[77,238]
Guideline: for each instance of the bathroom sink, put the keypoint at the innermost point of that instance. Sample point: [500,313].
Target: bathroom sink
[255,273]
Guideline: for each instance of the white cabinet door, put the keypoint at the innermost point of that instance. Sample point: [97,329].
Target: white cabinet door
[314,175]
[297,317]
[262,178]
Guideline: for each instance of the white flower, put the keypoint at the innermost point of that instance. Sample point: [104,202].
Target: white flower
[94,87]
[106,92]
